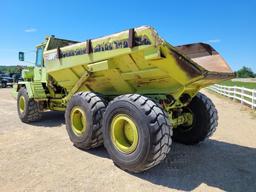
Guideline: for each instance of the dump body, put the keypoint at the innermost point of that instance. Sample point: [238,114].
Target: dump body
[134,61]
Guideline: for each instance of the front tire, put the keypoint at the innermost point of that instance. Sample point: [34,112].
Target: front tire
[137,132]
[83,117]
[205,121]
[28,109]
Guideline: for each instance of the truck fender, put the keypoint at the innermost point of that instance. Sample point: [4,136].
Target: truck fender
[27,85]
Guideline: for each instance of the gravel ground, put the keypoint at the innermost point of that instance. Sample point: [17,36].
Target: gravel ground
[40,157]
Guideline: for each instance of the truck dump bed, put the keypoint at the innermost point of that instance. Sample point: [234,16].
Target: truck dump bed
[134,61]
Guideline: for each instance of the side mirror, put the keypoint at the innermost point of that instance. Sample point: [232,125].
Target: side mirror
[21,56]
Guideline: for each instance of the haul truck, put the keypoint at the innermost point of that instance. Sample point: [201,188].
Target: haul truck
[132,91]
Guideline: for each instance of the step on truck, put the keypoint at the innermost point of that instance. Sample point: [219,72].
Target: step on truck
[132,91]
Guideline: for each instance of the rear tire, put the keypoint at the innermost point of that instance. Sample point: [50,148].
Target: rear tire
[154,132]
[4,84]
[205,121]
[28,109]
[83,117]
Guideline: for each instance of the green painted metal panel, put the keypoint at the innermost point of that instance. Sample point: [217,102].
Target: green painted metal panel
[28,86]
[143,63]
[151,67]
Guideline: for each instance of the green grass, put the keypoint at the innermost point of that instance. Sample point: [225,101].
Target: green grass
[239,84]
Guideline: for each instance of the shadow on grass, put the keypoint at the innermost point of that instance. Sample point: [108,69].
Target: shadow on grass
[226,166]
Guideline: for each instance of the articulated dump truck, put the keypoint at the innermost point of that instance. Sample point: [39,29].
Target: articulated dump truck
[132,91]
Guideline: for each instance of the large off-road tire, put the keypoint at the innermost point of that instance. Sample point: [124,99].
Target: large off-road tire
[4,84]
[137,132]
[28,109]
[205,121]
[84,114]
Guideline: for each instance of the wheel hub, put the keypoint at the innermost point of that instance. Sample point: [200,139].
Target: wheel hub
[124,134]
[22,104]
[78,121]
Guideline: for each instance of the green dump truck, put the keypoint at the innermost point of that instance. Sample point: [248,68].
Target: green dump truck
[132,91]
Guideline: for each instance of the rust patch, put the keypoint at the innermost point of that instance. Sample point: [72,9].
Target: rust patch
[223,76]
[187,66]
[205,56]
[89,48]
[58,53]
[131,42]
[196,50]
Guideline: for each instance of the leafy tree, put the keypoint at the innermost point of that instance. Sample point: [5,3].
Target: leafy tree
[10,69]
[245,72]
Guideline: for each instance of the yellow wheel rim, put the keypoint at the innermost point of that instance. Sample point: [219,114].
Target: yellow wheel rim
[78,121]
[124,133]
[22,104]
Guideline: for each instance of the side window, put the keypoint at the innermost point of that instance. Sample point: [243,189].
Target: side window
[39,57]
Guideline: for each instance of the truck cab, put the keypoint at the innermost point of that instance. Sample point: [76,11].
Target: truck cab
[34,77]
[39,85]
[39,70]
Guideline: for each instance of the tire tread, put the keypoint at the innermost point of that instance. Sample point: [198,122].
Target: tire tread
[159,126]
[97,107]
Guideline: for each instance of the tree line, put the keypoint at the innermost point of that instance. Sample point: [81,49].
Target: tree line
[11,69]
[245,72]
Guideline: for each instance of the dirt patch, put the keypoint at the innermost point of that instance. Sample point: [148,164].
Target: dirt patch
[40,157]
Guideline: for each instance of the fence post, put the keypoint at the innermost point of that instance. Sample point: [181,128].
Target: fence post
[253,98]
[242,96]
[234,93]
[229,93]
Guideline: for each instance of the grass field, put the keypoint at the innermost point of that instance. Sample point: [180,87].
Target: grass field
[239,84]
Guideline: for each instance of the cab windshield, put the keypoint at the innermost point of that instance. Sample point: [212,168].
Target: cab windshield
[39,57]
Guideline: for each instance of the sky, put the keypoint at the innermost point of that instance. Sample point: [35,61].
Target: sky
[228,25]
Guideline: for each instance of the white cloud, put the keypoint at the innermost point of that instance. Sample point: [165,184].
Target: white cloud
[214,41]
[30,30]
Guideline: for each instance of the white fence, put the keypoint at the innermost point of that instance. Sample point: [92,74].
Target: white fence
[249,80]
[244,95]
